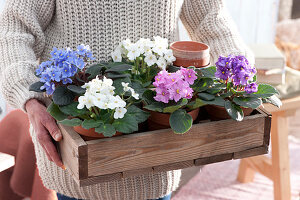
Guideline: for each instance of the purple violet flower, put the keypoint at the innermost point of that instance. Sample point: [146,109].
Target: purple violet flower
[251,88]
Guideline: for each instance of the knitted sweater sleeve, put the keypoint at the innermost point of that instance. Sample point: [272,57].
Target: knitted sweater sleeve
[209,22]
[22,24]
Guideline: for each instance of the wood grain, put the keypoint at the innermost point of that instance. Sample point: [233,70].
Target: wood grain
[251,152]
[174,166]
[213,159]
[137,172]
[69,151]
[137,151]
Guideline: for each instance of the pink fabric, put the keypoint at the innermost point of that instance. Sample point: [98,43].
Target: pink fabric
[23,178]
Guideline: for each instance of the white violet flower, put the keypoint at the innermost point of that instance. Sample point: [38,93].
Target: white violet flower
[133,52]
[100,93]
[161,63]
[119,113]
[117,55]
[170,58]
[150,59]
[125,86]
[126,44]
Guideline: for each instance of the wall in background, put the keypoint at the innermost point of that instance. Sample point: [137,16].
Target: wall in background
[255,19]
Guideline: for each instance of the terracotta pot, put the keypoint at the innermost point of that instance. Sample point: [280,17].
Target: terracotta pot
[159,120]
[90,134]
[189,53]
[219,113]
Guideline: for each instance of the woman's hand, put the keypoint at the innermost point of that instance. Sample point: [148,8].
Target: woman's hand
[45,128]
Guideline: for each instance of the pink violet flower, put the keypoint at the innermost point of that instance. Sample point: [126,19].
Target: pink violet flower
[162,95]
[174,86]
[189,75]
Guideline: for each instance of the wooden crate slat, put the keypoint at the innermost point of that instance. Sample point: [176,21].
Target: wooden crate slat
[137,172]
[161,147]
[174,166]
[251,152]
[213,159]
[70,153]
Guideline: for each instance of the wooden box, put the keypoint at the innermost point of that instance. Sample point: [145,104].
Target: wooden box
[109,159]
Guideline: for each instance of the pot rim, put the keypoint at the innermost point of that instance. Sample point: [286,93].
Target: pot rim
[207,48]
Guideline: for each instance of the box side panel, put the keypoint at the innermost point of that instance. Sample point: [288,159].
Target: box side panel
[68,148]
[163,147]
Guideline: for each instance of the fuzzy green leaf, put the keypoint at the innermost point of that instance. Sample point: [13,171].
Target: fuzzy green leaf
[219,101]
[155,106]
[148,96]
[173,108]
[107,130]
[71,122]
[264,91]
[234,111]
[208,72]
[138,88]
[138,113]
[181,121]
[118,67]
[94,70]
[91,123]
[248,102]
[202,84]
[206,96]
[117,75]
[126,125]
[195,104]
[55,112]
[36,87]
[118,85]
[72,110]
[76,89]
[62,96]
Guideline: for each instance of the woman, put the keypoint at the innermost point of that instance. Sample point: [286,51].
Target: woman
[31,28]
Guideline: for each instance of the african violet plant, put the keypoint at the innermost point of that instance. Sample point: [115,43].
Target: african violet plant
[100,96]
[235,87]
[146,56]
[175,93]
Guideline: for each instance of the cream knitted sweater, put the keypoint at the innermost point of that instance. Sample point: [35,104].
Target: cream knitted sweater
[29,29]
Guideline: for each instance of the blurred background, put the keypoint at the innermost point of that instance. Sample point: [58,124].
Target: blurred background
[271,29]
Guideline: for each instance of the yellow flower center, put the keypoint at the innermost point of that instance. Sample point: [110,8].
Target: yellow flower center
[190,76]
[173,80]
[163,94]
[242,68]
[157,79]
[223,72]
[177,91]
[227,63]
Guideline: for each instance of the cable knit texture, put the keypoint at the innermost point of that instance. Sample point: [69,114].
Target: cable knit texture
[29,29]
